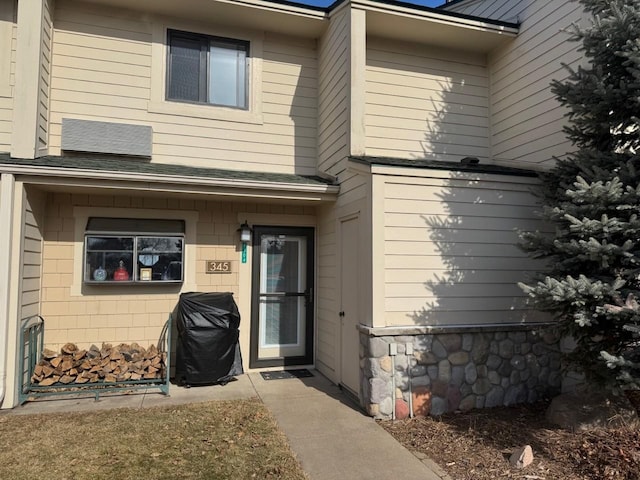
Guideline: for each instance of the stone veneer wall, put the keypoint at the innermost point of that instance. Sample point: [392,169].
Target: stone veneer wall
[458,370]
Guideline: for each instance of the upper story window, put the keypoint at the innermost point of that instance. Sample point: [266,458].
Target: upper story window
[207,69]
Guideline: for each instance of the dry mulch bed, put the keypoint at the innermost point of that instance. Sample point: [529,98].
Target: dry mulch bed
[477,445]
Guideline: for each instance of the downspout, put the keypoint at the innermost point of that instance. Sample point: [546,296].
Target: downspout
[7,189]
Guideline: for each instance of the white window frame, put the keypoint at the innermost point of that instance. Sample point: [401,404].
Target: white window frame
[160,105]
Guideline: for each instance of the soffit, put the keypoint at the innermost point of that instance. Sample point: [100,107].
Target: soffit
[282,18]
[437,29]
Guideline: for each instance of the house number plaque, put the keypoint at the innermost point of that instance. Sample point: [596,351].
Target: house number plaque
[218,266]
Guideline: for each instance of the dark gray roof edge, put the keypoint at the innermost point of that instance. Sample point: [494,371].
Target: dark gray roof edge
[423,8]
[441,165]
[452,2]
[291,3]
[113,163]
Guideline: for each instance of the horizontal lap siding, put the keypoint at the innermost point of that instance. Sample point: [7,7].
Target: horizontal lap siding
[527,120]
[333,149]
[506,10]
[6,112]
[102,71]
[32,257]
[45,76]
[6,103]
[425,103]
[451,255]
[327,293]
[333,91]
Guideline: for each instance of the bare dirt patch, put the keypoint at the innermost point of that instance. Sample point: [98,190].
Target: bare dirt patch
[477,445]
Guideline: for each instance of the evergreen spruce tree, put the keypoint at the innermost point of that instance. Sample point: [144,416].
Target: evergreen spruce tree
[592,200]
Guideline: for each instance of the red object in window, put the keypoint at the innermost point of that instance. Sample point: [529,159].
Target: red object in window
[121,273]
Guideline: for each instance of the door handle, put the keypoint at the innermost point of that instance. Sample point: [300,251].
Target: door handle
[308,295]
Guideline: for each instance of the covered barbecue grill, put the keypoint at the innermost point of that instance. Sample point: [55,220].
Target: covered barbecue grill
[207,350]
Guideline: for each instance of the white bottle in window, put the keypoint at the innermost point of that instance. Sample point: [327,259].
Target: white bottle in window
[100,274]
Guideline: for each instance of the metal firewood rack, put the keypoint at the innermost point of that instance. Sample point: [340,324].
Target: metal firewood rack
[32,346]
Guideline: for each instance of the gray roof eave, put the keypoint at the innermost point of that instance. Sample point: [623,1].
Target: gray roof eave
[129,168]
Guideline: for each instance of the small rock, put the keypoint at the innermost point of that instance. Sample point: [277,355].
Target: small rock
[521,457]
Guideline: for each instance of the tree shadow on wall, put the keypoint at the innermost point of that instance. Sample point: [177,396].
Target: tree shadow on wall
[468,250]
[463,262]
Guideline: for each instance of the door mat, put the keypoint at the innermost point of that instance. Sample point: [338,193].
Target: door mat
[303,373]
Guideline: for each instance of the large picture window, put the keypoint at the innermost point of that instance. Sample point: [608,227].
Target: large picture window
[124,250]
[206,69]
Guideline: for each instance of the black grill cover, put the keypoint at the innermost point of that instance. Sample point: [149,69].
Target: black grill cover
[207,350]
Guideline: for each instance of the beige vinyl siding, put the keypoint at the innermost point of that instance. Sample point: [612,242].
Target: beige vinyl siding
[505,10]
[31,269]
[333,149]
[527,120]
[327,330]
[354,201]
[45,75]
[8,33]
[450,249]
[102,64]
[333,91]
[424,102]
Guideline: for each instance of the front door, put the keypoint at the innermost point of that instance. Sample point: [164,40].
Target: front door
[282,297]
[349,305]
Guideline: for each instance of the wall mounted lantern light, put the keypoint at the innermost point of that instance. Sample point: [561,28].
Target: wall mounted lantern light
[245,232]
[245,239]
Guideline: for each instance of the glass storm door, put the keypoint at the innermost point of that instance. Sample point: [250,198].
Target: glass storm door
[282,298]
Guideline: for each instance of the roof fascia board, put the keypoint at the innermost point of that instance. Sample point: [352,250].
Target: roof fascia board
[54,175]
[437,15]
[282,6]
[450,3]
[134,187]
[447,174]
[337,7]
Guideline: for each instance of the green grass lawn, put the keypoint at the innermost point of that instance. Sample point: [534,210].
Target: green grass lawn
[215,440]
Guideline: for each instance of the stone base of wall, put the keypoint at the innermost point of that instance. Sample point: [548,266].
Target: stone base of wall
[434,373]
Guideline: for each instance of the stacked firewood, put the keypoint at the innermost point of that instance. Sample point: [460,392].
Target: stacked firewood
[108,364]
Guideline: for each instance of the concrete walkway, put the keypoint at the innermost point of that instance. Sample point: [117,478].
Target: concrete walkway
[330,436]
